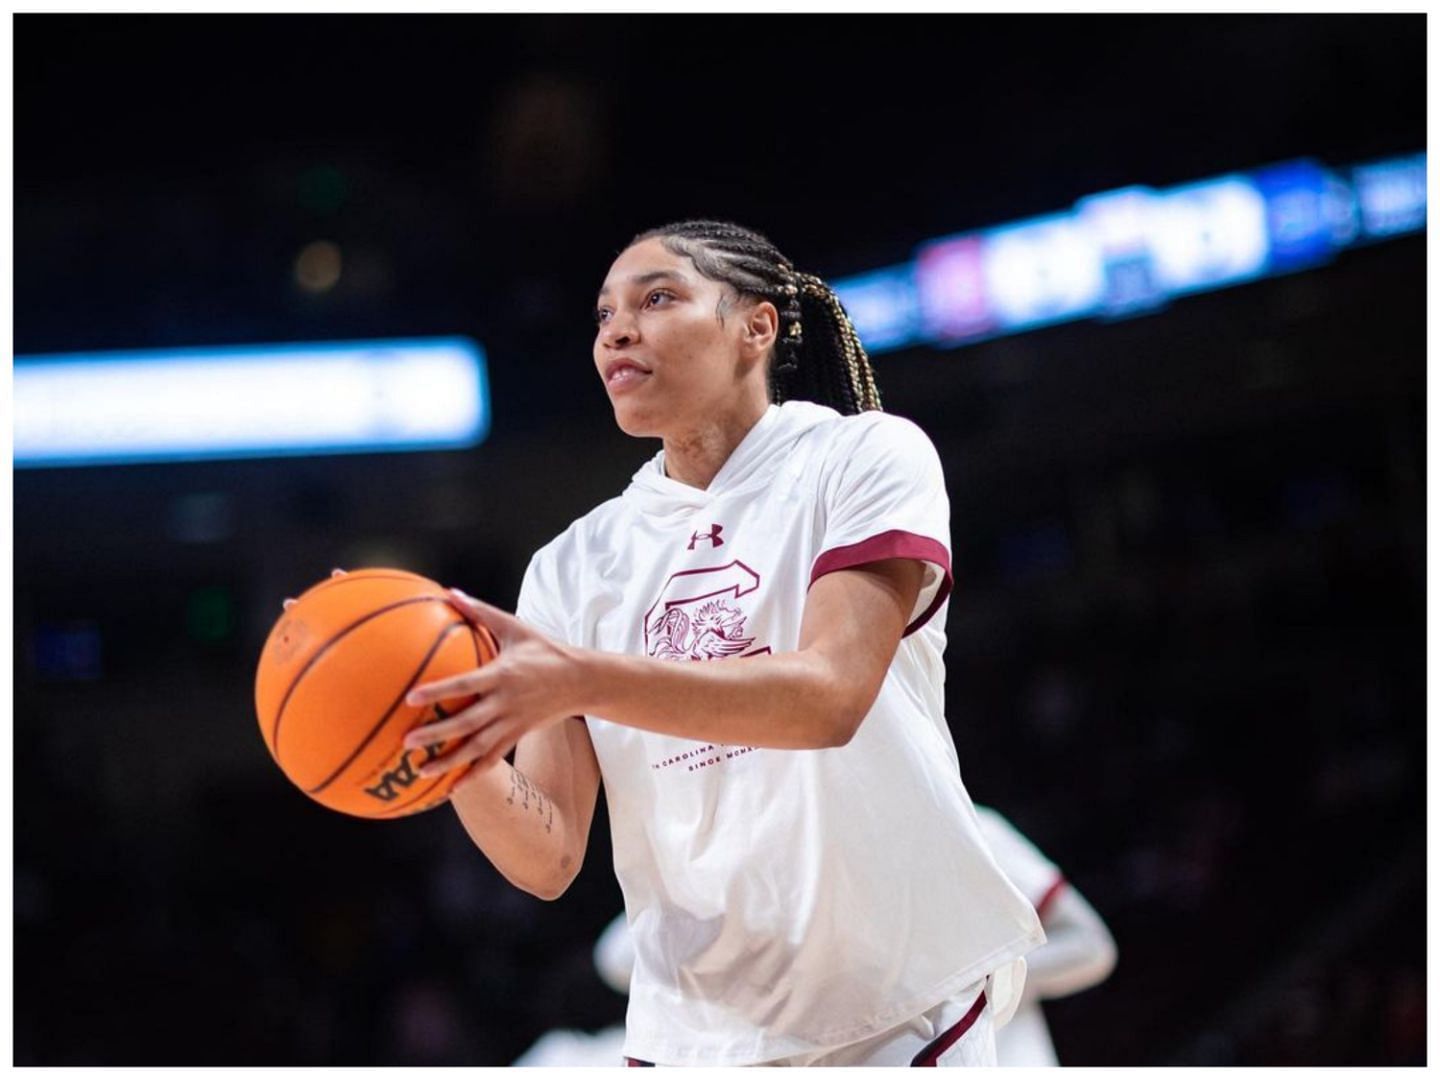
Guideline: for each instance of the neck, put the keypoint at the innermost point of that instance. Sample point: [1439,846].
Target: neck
[695,456]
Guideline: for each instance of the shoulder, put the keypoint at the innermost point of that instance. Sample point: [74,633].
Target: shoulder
[873,431]
[879,427]
[874,448]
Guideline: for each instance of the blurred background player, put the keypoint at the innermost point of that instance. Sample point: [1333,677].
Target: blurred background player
[614,961]
[1078,953]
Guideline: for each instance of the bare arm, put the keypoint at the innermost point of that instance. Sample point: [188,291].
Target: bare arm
[532,819]
[813,697]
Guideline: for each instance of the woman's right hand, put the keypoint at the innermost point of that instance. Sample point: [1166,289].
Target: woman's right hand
[534,682]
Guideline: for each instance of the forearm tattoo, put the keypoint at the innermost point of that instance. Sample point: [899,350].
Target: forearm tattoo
[530,796]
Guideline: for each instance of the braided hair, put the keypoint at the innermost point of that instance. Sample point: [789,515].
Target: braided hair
[818,356]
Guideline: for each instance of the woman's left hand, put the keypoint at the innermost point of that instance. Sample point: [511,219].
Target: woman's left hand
[533,682]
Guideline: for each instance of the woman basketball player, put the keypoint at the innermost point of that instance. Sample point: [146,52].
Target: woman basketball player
[802,867]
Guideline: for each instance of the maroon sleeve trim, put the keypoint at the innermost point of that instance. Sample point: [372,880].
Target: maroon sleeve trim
[1049,896]
[895,544]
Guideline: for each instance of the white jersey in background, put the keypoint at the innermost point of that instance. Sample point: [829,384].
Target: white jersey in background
[783,901]
[1078,955]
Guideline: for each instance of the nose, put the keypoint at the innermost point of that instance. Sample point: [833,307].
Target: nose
[619,331]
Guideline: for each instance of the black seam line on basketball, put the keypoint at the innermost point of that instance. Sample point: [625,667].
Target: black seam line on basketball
[385,717]
[491,645]
[395,811]
[280,712]
[300,675]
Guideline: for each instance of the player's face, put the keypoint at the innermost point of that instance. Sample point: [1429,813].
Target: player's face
[665,350]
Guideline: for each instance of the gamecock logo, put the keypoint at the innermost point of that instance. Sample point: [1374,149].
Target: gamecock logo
[695,619]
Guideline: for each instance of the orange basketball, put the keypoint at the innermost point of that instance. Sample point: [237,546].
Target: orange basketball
[331,685]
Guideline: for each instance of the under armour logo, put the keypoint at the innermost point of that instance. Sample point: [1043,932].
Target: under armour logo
[713,536]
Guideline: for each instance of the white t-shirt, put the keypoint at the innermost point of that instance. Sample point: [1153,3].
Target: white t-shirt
[1020,860]
[782,901]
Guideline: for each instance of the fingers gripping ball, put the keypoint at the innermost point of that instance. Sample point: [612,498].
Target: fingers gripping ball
[331,685]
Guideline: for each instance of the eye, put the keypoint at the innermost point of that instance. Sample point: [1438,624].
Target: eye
[601,314]
[657,294]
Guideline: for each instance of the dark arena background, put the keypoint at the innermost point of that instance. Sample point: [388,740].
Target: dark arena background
[1186,644]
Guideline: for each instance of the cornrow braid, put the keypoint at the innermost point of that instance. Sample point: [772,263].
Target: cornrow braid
[818,356]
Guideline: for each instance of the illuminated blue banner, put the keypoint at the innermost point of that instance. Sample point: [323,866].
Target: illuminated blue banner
[1042,271]
[885,304]
[1208,235]
[251,401]
[950,283]
[1118,223]
[1128,252]
[1391,196]
[1296,215]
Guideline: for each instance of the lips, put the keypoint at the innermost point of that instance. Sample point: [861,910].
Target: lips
[624,372]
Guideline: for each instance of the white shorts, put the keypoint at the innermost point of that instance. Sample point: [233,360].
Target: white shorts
[959,1032]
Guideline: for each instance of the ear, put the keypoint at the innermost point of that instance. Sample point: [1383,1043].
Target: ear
[762,324]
